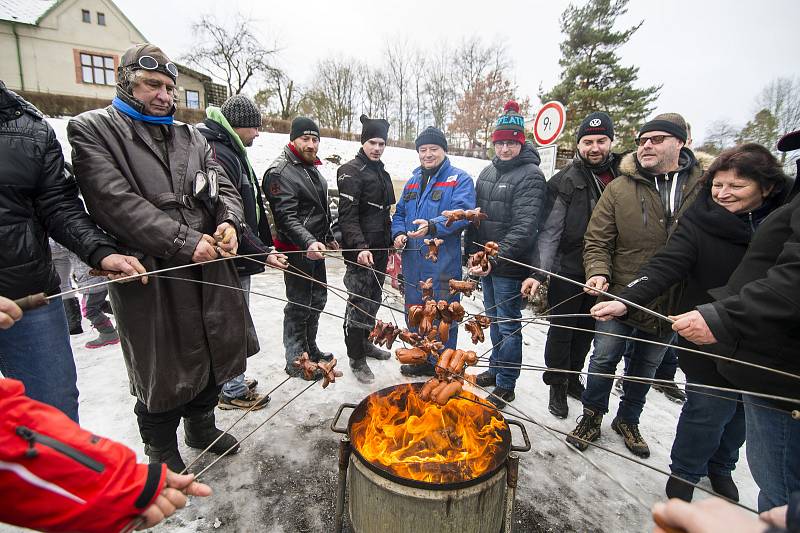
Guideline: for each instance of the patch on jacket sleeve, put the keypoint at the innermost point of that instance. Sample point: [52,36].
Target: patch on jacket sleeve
[637,280]
[452,178]
[274,187]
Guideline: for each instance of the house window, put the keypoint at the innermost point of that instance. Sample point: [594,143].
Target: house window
[86,16]
[193,99]
[101,19]
[97,69]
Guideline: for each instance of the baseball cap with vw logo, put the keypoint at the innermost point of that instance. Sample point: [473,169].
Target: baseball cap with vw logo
[597,123]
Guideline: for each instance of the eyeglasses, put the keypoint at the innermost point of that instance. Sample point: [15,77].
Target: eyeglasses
[151,63]
[655,139]
[505,144]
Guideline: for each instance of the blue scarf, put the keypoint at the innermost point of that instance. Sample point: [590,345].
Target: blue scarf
[135,115]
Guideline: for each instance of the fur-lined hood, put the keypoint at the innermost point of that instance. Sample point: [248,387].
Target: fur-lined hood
[628,165]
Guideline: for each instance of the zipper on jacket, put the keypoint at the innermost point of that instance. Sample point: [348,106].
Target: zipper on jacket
[308,215]
[33,438]
[644,212]
[752,225]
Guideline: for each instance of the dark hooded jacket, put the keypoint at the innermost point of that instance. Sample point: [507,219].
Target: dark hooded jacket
[366,197]
[37,198]
[256,236]
[512,193]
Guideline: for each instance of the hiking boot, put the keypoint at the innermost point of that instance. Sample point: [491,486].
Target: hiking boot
[200,431]
[168,454]
[587,430]
[678,488]
[671,391]
[321,356]
[486,379]
[73,311]
[575,387]
[558,400]
[633,439]
[361,370]
[249,400]
[501,396]
[724,486]
[251,383]
[107,335]
[370,350]
[425,369]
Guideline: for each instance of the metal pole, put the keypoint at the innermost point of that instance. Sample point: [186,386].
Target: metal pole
[512,475]
[341,483]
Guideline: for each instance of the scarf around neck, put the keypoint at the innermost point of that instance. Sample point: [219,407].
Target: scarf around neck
[135,115]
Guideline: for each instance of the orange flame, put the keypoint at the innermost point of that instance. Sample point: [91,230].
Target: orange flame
[427,442]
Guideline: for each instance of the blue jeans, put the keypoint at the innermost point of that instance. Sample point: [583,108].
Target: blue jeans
[506,338]
[773,441]
[235,388]
[36,351]
[666,370]
[608,351]
[710,432]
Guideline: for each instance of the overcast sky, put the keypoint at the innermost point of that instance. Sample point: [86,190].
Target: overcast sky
[712,56]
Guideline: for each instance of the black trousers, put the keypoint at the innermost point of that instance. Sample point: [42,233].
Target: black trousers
[566,348]
[301,322]
[366,287]
[158,429]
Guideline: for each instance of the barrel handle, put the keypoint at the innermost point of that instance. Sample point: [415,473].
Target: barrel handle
[338,415]
[527,446]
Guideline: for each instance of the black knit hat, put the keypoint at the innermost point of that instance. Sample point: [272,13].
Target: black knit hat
[789,142]
[303,126]
[374,128]
[241,112]
[510,126]
[132,60]
[431,135]
[597,123]
[672,123]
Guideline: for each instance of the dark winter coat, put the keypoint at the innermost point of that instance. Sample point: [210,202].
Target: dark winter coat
[628,226]
[758,310]
[37,198]
[298,197]
[137,180]
[703,251]
[256,236]
[571,196]
[512,193]
[366,197]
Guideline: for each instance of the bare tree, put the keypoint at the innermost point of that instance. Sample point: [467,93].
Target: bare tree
[376,90]
[477,111]
[439,89]
[473,61]
[781,98]
[334,93]
[399,68]
[418,66]
[286,92]
[233,54]
[721,134]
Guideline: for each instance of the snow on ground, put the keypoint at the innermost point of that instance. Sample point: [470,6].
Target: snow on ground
[283,479]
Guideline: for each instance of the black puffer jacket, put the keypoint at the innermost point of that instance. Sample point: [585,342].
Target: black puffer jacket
[366,197]
[298,197]
[256,235]
[37,198]
[571,196]
[703,251]
[513,194]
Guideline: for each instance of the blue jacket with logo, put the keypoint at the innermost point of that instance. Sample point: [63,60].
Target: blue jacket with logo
[450,188]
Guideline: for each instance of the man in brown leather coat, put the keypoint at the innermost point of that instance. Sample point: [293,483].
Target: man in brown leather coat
[152,183]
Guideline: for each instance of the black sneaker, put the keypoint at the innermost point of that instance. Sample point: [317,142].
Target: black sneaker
[501,396]
[321,356]
[558,400]
[168,455]
[678,488]
[587,430]
[575,387]
[250,400]
[671,391]
[486,379]
[724,486]
[362,371]
[633,439]
[425,369]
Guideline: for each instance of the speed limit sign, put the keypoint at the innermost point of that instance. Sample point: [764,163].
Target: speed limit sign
[549,123]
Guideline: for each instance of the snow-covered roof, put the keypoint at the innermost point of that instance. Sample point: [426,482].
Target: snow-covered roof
[25,11]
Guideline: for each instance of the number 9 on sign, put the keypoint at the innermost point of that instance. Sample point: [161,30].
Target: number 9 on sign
[549,123]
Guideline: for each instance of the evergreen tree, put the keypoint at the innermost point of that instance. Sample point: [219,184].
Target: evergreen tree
[592,78]
[763,129]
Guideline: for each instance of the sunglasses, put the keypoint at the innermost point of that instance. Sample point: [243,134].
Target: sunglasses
[150,63]
[655,139]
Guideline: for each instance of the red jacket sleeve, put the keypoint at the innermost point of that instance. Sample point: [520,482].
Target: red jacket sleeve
[55,476]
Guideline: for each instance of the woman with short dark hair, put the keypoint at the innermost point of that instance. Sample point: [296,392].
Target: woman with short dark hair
[742,186]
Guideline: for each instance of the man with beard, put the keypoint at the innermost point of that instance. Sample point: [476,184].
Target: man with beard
[366,196]
[511,191]
[230,130]
[298,197]
[152,183]
[572,192]
[632,221]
